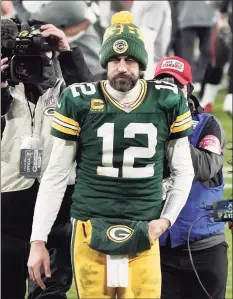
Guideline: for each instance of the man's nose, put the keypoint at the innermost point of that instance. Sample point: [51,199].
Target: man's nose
[122,67]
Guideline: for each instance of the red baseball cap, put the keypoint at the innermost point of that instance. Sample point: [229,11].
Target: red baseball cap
[176,67]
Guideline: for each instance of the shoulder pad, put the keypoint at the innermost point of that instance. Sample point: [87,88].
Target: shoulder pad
[160,84]
[168,94]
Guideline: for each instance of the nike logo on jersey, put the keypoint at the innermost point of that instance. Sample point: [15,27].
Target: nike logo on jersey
[59,104]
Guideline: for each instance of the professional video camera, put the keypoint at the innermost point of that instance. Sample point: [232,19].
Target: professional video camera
[223,209]
[25,55]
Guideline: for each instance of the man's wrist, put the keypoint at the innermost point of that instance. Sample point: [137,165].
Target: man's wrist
[166,222]
[38,242]
[65,49]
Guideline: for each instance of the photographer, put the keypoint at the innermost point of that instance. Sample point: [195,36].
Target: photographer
[27,133]
[207,237]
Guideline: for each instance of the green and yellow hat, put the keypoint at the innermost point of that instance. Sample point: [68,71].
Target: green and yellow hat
[123,38]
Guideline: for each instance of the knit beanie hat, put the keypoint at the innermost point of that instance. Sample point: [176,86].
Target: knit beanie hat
[123,38]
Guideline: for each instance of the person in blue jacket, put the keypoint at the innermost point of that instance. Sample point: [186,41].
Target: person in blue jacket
[207,238]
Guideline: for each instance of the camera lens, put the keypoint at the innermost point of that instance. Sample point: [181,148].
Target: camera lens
[23,70]
[27,68]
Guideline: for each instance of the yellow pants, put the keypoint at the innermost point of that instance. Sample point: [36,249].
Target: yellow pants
[89,268]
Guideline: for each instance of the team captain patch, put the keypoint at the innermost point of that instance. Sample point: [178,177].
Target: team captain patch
[173,64]
[97,105]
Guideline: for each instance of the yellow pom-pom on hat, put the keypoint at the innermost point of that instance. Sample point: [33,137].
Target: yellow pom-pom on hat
[122,17]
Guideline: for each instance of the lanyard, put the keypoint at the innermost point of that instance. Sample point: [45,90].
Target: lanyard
[32,113]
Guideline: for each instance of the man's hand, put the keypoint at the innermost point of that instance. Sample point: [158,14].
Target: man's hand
[38,257]
[51,30]
[158,227]
[4,65]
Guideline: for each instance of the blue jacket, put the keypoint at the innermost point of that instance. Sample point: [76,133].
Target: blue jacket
[199,197]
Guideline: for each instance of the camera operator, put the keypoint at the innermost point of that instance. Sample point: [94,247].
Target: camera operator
[27,133]
[207,237]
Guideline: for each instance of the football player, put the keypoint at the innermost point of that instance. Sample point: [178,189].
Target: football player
[118,131]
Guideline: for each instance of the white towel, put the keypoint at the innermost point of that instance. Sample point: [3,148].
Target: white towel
[117,271]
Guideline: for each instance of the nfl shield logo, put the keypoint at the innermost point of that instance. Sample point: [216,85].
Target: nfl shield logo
[50,101]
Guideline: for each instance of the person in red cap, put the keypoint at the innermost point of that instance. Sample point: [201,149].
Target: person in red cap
[207,238]
[176,70]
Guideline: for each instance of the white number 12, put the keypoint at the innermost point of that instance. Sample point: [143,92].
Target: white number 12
[106,131]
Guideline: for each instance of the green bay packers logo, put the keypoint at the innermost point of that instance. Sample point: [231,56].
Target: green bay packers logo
[49,111]
[119,233]
[120,46]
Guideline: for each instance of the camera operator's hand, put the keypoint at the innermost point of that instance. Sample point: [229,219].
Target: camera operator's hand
[4,65]
[51,30]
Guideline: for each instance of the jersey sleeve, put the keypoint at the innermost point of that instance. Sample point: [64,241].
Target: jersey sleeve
[182,124]
[65,123]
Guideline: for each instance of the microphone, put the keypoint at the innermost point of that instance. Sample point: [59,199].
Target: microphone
[9,32]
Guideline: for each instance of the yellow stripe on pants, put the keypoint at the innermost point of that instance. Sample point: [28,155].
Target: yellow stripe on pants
[90,270]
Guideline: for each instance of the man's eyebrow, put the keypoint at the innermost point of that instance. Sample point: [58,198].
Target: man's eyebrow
[114,57]
[130,57]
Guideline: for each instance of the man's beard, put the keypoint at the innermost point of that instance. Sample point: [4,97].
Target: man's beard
[123,83]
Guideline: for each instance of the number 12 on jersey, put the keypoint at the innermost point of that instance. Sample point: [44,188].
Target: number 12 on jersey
[106,131]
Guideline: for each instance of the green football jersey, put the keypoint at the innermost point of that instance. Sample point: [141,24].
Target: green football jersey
[120,147]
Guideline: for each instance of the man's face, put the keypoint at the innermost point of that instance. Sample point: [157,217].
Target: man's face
[123,73]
